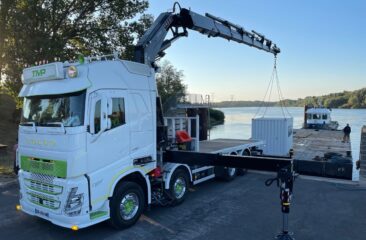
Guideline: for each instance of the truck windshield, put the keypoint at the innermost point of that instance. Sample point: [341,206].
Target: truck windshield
[54,110]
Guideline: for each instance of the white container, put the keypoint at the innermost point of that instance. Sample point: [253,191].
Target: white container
[276,133]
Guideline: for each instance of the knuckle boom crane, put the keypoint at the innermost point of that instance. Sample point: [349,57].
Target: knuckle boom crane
[152,44]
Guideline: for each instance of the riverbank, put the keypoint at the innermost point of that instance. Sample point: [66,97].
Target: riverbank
[217,117]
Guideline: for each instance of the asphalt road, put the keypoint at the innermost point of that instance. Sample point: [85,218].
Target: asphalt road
[242,209]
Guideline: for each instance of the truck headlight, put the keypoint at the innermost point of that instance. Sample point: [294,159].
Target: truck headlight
[74,202]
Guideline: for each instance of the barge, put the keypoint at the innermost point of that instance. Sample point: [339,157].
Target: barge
[321,152]
[319,148]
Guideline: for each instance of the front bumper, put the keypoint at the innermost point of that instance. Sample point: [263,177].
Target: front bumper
[81,221]
[47,200]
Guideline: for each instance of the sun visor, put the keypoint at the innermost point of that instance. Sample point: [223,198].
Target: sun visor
[67,85]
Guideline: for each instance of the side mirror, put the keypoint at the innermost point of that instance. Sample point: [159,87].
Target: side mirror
[105,121]
[109,112]
[104,115]
[109,123]
[110,106]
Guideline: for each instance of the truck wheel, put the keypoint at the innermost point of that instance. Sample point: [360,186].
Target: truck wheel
[242,171]
[229,174]
[178,188]
[126,205]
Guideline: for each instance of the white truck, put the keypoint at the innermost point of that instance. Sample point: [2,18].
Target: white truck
[92,139]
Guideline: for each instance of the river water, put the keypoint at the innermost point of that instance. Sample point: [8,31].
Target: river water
[238,122]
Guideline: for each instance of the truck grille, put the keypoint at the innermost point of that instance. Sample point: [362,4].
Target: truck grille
[43,187]
[42,177]
[43,201]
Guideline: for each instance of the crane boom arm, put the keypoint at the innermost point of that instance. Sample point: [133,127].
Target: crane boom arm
[153,43]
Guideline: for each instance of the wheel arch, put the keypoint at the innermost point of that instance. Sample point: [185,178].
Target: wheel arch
[246,152]
[172,169]
[137,176]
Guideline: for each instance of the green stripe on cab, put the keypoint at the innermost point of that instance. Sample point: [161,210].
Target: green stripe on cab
[55,168]
[97,214]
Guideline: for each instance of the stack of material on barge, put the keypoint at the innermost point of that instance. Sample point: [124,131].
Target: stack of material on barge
[319,149]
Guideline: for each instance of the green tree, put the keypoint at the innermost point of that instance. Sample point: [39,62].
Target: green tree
[170,84]
[353,101]
[217,117]
[33,30]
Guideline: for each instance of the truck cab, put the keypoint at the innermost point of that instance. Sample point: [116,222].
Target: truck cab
[83,128]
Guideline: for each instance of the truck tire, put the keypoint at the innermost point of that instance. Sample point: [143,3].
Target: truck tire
[242,171]
[178,186]
[225,173]
[126,205]
[229,174]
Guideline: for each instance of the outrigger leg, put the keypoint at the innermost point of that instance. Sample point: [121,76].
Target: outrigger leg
[285,180]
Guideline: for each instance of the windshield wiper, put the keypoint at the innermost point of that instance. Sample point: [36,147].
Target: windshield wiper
[29,124]
[56,124]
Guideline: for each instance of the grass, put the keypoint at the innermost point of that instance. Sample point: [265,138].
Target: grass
[6,171]
[6,163]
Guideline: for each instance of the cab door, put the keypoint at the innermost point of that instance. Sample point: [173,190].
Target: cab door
[108,136]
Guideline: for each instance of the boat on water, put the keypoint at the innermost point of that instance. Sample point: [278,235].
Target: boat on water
[319,118]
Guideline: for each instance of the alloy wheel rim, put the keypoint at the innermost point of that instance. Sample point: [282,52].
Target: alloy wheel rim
[129,206]
[231,171]
[179,187]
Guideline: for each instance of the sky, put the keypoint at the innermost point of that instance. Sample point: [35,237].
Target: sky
[323,48]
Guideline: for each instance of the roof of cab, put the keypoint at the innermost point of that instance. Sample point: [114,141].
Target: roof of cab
[318,111]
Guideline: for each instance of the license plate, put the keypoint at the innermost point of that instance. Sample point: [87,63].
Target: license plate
[41,213]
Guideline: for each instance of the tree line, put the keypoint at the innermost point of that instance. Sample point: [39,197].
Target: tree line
[345,99]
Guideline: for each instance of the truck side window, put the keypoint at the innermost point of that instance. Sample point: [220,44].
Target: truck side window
[118,112]
[97,114]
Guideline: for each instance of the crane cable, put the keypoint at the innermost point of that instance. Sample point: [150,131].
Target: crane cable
[280,94]
[265,103]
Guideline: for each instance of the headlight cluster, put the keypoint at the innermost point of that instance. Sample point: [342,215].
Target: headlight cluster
[74,202]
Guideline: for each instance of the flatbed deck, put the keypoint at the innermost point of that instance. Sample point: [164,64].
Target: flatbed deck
[310,144]
[226,145]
